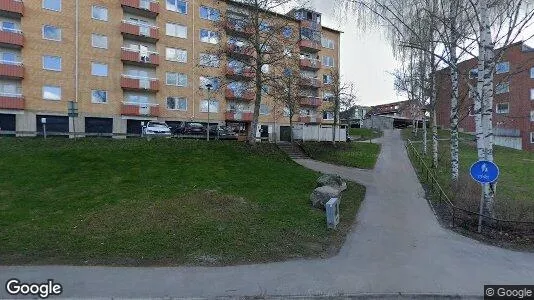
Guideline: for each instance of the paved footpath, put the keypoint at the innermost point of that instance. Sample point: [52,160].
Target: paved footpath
[397,246]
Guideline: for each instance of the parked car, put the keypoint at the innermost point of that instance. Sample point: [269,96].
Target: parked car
[223,132]
[153,128]
[191,129]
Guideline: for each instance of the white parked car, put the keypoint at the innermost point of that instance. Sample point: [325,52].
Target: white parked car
[153,128]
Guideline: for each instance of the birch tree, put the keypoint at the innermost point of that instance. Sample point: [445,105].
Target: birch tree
[343,95]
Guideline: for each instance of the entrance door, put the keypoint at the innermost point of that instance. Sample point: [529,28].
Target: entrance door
[285,133]
[264,133]
[7,122]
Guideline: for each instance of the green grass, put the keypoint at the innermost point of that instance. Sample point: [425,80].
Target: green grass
[364,133]
[159,202]
[357,155]
[442,134]
[515,189]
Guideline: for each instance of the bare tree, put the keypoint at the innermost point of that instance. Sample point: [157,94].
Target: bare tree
[343,96]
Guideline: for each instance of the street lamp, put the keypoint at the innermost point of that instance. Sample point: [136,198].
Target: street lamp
[208,86]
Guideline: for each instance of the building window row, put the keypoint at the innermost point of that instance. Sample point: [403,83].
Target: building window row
[328,61]
[177,55]
[327,43]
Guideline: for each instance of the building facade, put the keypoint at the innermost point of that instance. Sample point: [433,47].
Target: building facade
[513,118]
[128,61]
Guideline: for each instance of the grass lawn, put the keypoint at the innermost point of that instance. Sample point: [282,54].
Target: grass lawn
[364,133]
[357,155]
[515,189]
[160,202]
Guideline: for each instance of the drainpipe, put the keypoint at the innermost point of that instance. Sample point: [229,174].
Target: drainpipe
[193,51]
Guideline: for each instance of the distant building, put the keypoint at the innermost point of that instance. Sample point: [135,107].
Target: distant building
[354,115]
[392,115]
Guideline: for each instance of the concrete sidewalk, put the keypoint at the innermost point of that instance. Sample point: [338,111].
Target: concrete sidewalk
[397,246]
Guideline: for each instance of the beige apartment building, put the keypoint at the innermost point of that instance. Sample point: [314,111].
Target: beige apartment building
[128,61]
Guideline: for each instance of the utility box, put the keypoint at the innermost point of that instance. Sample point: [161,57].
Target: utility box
[332,213]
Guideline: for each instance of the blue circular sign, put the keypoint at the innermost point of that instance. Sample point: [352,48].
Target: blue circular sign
[484,171]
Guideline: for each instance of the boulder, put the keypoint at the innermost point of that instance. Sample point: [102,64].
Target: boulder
[331,180]
[323,194]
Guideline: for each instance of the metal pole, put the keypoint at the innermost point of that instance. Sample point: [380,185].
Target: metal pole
[209,100]
[44,130]
[481,209]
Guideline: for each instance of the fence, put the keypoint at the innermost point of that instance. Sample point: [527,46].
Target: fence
[103,134]
[320,133]
[458,217]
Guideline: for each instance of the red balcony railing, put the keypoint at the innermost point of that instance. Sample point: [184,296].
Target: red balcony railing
[238,116]
[148,8]
[139,84]
[11,70]
[12,8]
[136,109]
[311,82]
[240,50]
[135,57]
[312,46]
[310,64]
[11,101]
[140,31]
[245,73]
[238,27]
[11,38]
[311,101]
[310,119]
[309,24]
[239,95]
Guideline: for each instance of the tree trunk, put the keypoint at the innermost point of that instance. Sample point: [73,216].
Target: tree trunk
[257,101]
[433,100]
[455,152]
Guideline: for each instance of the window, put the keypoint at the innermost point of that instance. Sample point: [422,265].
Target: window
[100,13]
[327,96]
[10,89]
[531,72]
[177,6]
[177,55]
[54,5]
[9,58]
[99,41]
[9,26]
[214,81]
[328,115]
[265,69]
[501,88]
[51,92]
[503,108]
[264,109]
[209,60]
[52,63]
[99,96]
[327,43]
[51,33]
[177,79]
[213,106]
[137,98]
[473,73]
[99,69]
[287,32]
[265,89]
[265,27]
[531,94]
[176,30]
[208,36]
[327,79]
[532,116]
[328,61]
[502,67]
[209,13]
[177,103]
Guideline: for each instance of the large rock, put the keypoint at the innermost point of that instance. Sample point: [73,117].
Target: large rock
[323,194]
[331,180]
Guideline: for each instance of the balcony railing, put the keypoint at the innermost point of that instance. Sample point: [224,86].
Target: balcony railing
[310,119]
[136,83]
[232,94]
[11,69]
[243,116]
[11,101]
[310,24]
[11,8]
[11,38]
[311,82]
[238,27]
[242,73]
[234,49]
[140,109]
[310,64]
[310,101]
[135,57]
[140,31]
[147,8]
[312,46]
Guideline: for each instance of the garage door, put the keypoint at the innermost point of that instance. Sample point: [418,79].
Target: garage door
[98,125]
[7,122]
[53,124]
[134,126]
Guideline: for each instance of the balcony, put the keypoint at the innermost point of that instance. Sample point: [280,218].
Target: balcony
[238,116]
[243,51]
[140,109]
[310,46]
[11,101]
[246,73]
[310,119]
[311,82]
[230,94]
[238,28]
[310,64]
[139,84]
[310,25]
[146,8]
[11,70]
[310,101]
[11,38]
[140,32]
[11,8]
[134,57]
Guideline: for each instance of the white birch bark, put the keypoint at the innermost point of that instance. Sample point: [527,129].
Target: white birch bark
[455,152]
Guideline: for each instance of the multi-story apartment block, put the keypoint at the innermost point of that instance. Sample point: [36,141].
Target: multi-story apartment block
[128,61]
[513,118]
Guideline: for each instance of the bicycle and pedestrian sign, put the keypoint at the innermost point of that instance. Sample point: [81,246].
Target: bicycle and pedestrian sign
[484,171]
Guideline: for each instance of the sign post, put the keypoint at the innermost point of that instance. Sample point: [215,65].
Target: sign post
[484,172]
[72,108]
[43,121]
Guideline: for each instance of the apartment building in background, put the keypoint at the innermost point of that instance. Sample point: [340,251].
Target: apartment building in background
[513,107]
[129,61]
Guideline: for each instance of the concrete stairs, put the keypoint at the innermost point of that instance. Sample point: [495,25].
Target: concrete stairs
[293,150]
